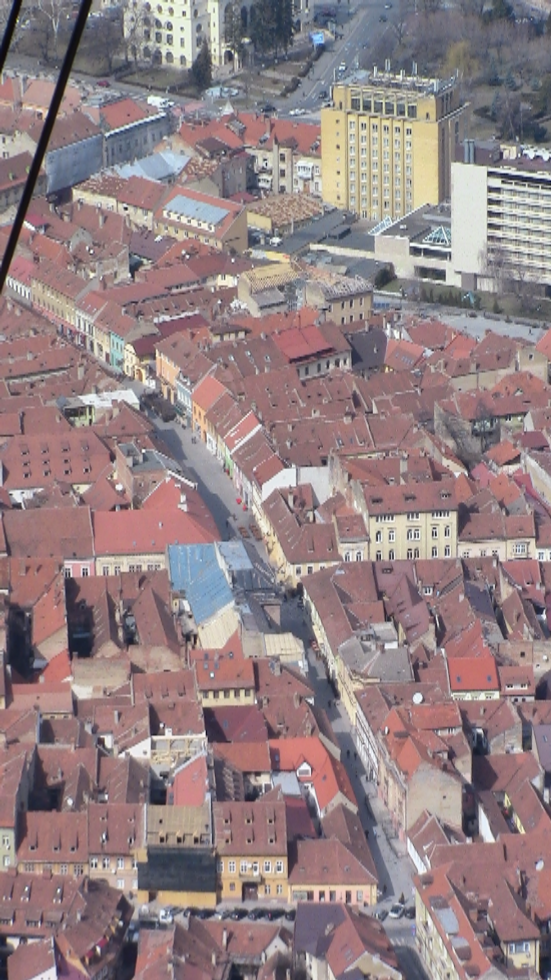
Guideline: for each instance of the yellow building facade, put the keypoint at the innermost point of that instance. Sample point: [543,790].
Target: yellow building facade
[388,141]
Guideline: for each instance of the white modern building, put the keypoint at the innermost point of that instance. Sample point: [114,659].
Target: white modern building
[501,219]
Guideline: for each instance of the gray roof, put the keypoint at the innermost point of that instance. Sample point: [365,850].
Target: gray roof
[542,736]
[368,349]
[188,207]
[158,166]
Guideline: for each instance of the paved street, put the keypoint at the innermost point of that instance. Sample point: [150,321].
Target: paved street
[215,487]
[393,866]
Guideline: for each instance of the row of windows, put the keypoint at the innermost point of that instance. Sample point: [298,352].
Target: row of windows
[106,863]
[413,553]
[253,867]
[413,534]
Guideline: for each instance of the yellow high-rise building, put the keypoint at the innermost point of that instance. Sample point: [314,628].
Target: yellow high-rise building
[387,142]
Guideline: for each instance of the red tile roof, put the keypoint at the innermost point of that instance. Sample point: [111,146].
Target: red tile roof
[136,532]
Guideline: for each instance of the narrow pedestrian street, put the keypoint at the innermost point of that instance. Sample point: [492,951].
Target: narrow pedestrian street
[394,867]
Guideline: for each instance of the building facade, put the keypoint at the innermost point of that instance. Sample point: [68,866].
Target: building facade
[501,221]
[388,142]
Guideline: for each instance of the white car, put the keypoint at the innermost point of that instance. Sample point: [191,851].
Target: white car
[276,241]
[166,917]
[397,911]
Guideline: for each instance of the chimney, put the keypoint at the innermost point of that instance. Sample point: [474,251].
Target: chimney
[101,219]
[290,498]
[224,938]
[213,957]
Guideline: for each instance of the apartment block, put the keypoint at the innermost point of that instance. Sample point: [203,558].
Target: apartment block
[501,218]
[410,521]
[172,34]
[388,141]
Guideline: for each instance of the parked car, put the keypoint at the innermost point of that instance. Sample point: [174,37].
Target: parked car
[275,914]
[104,83]
[396,911]
[290,915]
[166,917]
[381,914]
[324,94]
[410,912]
[255,914]
[268,109]
[238,914]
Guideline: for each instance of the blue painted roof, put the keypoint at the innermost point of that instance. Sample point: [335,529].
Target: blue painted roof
[194,570]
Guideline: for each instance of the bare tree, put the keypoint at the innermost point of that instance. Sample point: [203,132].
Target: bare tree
[109,39]
[133,24]
[399,25]
[54,11]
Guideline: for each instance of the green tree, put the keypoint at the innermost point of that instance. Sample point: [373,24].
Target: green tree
[201,69]
[234,31]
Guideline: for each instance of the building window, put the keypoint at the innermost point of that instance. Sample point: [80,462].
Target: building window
[348,556]
[378,556]
[93,863]
[391,555]
[434,551]
[78,870]
[120,863]
[359,895]
[392,535]
[379,537]
[120,884]
[298,571]
[243,867]
[447,551]
[267,889]
[359,556]
[434,532]
[279,867]
[279,889]
[105,570]
[64,869]
[106,863]
[231,867]
[447,531]
[267,867]
[85,571]
[520,549]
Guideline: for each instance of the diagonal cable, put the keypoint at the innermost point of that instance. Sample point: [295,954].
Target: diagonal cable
[44,138]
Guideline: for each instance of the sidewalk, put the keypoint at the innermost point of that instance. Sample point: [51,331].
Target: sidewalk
[394,867]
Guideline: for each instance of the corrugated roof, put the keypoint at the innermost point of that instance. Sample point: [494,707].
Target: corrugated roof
[194,569]
[187,207]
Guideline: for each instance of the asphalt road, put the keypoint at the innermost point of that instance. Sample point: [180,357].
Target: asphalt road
[358,34]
